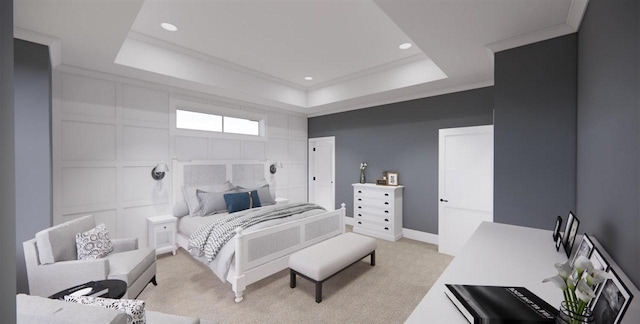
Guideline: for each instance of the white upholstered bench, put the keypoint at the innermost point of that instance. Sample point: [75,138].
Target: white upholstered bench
[322,261]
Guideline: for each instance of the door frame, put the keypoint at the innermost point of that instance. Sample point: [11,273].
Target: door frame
[311,165]
[441,205]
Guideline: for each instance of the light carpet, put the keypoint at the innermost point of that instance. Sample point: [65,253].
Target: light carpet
[385,293]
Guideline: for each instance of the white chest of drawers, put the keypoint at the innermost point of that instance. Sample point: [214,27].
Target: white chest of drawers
[377,210]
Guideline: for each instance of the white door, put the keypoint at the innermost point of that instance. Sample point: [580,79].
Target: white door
[322,172]
[465,184]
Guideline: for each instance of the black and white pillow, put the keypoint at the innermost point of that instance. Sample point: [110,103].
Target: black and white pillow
[94,243]
[134,309]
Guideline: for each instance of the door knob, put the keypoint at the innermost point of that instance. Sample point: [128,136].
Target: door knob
[443,200]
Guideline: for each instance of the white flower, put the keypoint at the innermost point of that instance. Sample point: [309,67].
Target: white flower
[584,292]
[582,263]
[596,276]
[564,269]
[557,280]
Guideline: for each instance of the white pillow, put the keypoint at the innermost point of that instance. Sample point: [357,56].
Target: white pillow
[191,197]
[134,309]
[94,243]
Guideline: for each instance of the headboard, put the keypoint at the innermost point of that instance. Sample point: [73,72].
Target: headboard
[210,172]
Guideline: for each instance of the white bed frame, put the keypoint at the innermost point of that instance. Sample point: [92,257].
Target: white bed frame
[255,257]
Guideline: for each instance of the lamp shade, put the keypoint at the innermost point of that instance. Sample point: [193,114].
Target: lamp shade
[161,167]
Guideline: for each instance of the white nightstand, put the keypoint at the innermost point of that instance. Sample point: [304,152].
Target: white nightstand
[162,233]
[282,200]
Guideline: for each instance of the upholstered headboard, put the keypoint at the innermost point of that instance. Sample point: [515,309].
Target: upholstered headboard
[209,172]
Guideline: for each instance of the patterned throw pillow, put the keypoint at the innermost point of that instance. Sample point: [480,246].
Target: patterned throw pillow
[94,243]
[134,309]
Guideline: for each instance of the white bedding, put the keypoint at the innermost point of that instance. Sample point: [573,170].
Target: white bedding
[223,261]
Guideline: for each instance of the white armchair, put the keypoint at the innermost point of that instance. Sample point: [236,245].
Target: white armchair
[52,265]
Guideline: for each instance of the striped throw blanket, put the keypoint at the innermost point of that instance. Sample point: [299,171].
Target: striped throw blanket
[210,238]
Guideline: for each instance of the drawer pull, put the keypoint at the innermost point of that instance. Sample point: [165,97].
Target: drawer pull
[360,215]
[386,219]
[359,191]
[359,199]
[360,223]
[386,228]
[386,202]
[359,207]
[386,211]
[386,195]
[165,227]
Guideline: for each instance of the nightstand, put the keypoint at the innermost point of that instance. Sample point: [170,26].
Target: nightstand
[162,233]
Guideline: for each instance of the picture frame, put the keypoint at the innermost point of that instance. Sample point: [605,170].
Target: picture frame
[612,300]
[556,229]
[559,241]
[392,178]
[570,232]
[599,263]
[584,249]
[381,182]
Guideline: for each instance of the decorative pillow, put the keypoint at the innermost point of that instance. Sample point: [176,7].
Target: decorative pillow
[191,197]
[180,209]
[264,193]
[134,309]
[94,243]
[241,201]
[212,202]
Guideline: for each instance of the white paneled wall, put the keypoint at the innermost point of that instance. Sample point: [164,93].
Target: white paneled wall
[109,132]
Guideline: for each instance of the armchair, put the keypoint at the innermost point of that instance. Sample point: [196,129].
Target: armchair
[52,265]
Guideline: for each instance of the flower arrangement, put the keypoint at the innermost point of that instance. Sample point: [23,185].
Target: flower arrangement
[363,165]
[577,283]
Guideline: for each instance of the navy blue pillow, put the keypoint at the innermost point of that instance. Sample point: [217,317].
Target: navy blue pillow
[241,200]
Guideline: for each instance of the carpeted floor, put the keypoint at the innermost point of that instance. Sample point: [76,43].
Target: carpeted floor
[385,293]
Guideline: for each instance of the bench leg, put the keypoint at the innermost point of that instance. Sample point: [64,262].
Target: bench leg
[373,258]
[292,278]
[318,291]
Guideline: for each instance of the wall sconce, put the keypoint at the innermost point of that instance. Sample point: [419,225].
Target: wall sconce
[159,170]
[275,166]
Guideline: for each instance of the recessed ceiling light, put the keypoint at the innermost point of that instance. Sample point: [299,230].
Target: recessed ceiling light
[405,46]
[169,27]
[308,78]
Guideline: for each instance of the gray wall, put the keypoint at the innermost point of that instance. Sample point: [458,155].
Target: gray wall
[7,208]
[608,190]
[535,133]
[32,147]
[401,137]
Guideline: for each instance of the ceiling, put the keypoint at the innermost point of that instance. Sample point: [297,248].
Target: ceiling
[260,51]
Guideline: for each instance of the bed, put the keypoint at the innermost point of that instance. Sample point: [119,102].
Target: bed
[260,250]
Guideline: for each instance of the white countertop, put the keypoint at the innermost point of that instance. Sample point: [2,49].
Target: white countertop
[499,255]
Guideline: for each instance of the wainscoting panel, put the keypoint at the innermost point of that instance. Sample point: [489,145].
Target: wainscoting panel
[88,186]
[225,149]
[139,186]
[107,217]
[88,96]
[279,149]
[278,124]
[253,150]
[190,148]
[144,104]
[298,150]
[82,141]
[145,144]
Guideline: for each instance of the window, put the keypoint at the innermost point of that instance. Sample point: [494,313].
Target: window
[220,123]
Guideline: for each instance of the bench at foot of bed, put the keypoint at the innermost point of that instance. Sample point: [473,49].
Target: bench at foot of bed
[324,260]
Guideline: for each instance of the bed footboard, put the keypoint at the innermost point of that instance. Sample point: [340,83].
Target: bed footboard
[264,252]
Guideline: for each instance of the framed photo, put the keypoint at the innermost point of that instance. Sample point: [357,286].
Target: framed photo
[392,178]
[556,229]
[584,249]
[558,241]
[570,233]
[381,182]
[612,300]
[599,263]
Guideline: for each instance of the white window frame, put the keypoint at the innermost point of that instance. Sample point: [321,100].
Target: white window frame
[221,111]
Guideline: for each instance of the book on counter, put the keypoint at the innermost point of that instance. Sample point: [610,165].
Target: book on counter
[496,304]
[91,288]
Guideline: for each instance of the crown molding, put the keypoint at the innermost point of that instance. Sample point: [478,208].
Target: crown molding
[54,44]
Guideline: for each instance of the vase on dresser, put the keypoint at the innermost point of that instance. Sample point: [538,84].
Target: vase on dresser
[362,180]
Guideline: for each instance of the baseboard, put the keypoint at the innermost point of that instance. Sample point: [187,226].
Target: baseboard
[420,236]
[349,221]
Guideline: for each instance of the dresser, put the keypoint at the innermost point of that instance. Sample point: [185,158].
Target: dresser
[377,210]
